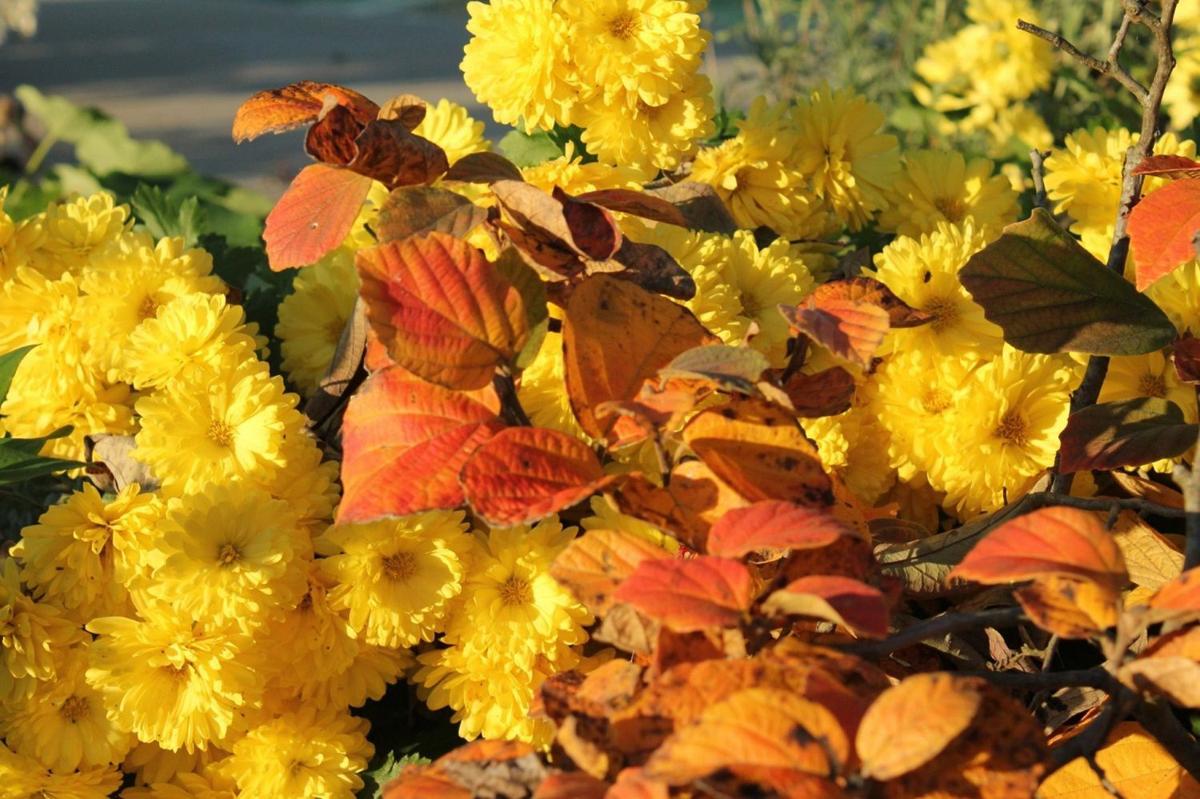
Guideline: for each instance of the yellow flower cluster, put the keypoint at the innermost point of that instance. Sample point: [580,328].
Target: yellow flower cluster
[625,70]
[984,73]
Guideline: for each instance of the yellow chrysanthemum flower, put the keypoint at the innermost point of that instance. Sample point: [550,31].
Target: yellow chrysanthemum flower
[917,396]
[854,445]
[569,173]
[511,610]
[230,426]
[72,231]
[1083,179]
[754,175]
[170,679]
[63,723]
[1018,127]
[33,635]
[543,390]
[367,677]
[763,279]
[516,62]
[924,273]
[1006,430]
[839,148]
[606,516]
[307,753]
[208,784]
[81,550]
[941,186]
[448,125]
[233,555]
[194,331]
[23,778]
[312,317]
[633,50]
[396,577]
[1178,294]
[35,309]
[650,137]
[306,482]
[150,763]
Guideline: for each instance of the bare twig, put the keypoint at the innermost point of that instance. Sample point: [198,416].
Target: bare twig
[1049,680]
[1108,68]
[1189,485]
[1046,498]
[935,628]
[510,406]
[1160,722]
[1037,160]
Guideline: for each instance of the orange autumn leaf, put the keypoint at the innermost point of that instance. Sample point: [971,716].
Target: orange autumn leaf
[757,727]
[686,506]
[1133,762]
[1180,595]
[760,451]
[523,474]
[773,525]
[1055,541]
[442,310]
[1161,229]
[314,215]
[851,603]
[404,442]
[617,335]
[1069,607]
[692,594]
[571,785]
[594,564]
[910,724]
[1168,166]
[294,105]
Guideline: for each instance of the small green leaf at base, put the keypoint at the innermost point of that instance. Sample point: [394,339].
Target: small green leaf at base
[1129,433]
[1050,295]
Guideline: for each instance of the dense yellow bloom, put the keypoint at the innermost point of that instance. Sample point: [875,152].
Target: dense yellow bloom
[192,332]
[170,679]
[81,550]
[606,516]
[71,232]
[32,636]
[516,62]
[150,763]
[25,778]
[650,137]
[1083,179]
[307,753]
[543,390]
[448,125]
[202,429]
[367,677]
[63,723]
[941,186]
[1182,95]
[764,279]
[233,555]
[850,164]
[1006,430]
[312,317]
[924,273]
[854,445]
[633,50]
[35,309]
[306,482]
[569,173]
[917,397]
[1178,294]
[396,577]
[208,784]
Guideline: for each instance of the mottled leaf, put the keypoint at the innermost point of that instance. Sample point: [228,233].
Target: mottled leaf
[1127,433]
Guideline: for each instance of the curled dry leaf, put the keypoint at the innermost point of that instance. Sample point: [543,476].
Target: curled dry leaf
[295,105]
[615,337]
[729,368]
[442,310]
[692,594]
[757,727]
[849,329]
[909,725]
[700,206]
[111,465]
[594,564]
[773,525]
[523,474]
[853,604]
[1186,357]
[408,109]
[557,231]
[1047,542]
[314,215]
[404,442]
[760,451]
[636,203]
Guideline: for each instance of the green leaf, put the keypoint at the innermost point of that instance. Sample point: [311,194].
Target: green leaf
[1129,433]
[165,216]
[19,459]
[1049,294]
[62,119]
[8,367]
[525,149]
[378,775]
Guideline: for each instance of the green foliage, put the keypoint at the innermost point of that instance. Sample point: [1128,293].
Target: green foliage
[529,149]
[19,459]
[164,216]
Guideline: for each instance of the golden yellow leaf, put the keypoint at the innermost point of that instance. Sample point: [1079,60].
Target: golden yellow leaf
[1151,560]
[1133,762]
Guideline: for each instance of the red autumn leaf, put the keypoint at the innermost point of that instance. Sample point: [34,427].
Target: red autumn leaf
[314,215]
[527,473]
[597,562]
[289,107]
[825,393]
[387,151]
[1127,433]
[404,442]
[442,310]
[688,595]
[1162,228]
[1169,166]
[1048,542]
[841,600]
[851,317]
[1186,356]
[773,524]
